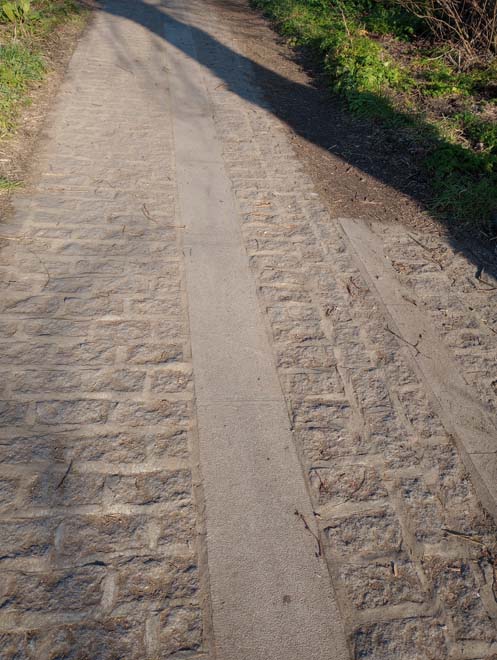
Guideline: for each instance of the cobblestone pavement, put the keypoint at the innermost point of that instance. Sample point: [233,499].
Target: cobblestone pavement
[99,531]
[97,526]
[384,475]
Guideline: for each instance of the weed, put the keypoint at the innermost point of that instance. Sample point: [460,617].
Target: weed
[461,146]
[26,29]
[8,185]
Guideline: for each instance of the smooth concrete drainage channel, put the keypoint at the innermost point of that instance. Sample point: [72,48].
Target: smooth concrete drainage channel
[272,598]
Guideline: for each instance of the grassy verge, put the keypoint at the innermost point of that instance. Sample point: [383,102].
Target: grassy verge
[29,48]
[380,59]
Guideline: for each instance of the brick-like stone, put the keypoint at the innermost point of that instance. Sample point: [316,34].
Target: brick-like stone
[13,646]
[76,589]
[154,353]
[177,527]
[25,448]
[180,630]
[54,380]
[12,412]
[83,411]
[113,380]
[111,446]
[455,585]
[344,483]
[304,357]
[417,638]
[382,584]
[426,515]
[151,413]
[153,581]
[23,537]
[152,488]
[96,535]
[365,535]
[306,384]
[171,380]
[8,492]
[65,488]
[108,640]
[321,413]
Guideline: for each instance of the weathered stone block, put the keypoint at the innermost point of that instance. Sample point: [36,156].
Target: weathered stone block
[177,527]
[176,379]
[54,380]
[298,332]
[94,535]
[152,581]
[108,640]
[382,584]
[365,535]
[8,492]
[118,380]
[12,412]
[180,629]
[27,538]
[154,353]
[56,327]
[13,646]
[83,411]
[168,443]
[321,413]
[74,589]
[417,638]
[304,357]
[153,413]
[300,385]
[64,488]
[121,330]
[151,488]
[346,483]
[455,584]
[425,513]
[110,446]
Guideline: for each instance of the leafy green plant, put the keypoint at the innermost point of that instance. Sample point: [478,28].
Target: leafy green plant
[16,12]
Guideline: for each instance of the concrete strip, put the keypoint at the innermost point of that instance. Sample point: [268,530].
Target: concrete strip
[271,595]
[459,408]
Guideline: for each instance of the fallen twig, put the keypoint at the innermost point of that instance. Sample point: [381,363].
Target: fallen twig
[467,537]
[415,346]
[319,551]
[64,476]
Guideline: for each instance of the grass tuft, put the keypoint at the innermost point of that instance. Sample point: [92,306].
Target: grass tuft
[28,47]
[377,56]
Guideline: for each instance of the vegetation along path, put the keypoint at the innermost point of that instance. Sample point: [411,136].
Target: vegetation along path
[248,395]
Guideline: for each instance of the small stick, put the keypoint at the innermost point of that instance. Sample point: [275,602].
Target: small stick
[415,346]
[65,474]
[319,551]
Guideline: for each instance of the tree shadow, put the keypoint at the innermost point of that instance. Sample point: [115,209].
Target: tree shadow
[311,112]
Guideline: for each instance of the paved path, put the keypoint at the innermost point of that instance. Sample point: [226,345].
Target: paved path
[215,443]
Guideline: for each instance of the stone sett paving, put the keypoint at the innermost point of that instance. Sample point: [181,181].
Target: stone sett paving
[99,557]
[385,478]
[97,514]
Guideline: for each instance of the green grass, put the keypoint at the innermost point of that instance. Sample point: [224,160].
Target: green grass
[8,184]
[27,50]
[370,54]
[19,68]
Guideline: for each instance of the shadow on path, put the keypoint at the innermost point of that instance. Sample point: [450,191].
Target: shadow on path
[309,111]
